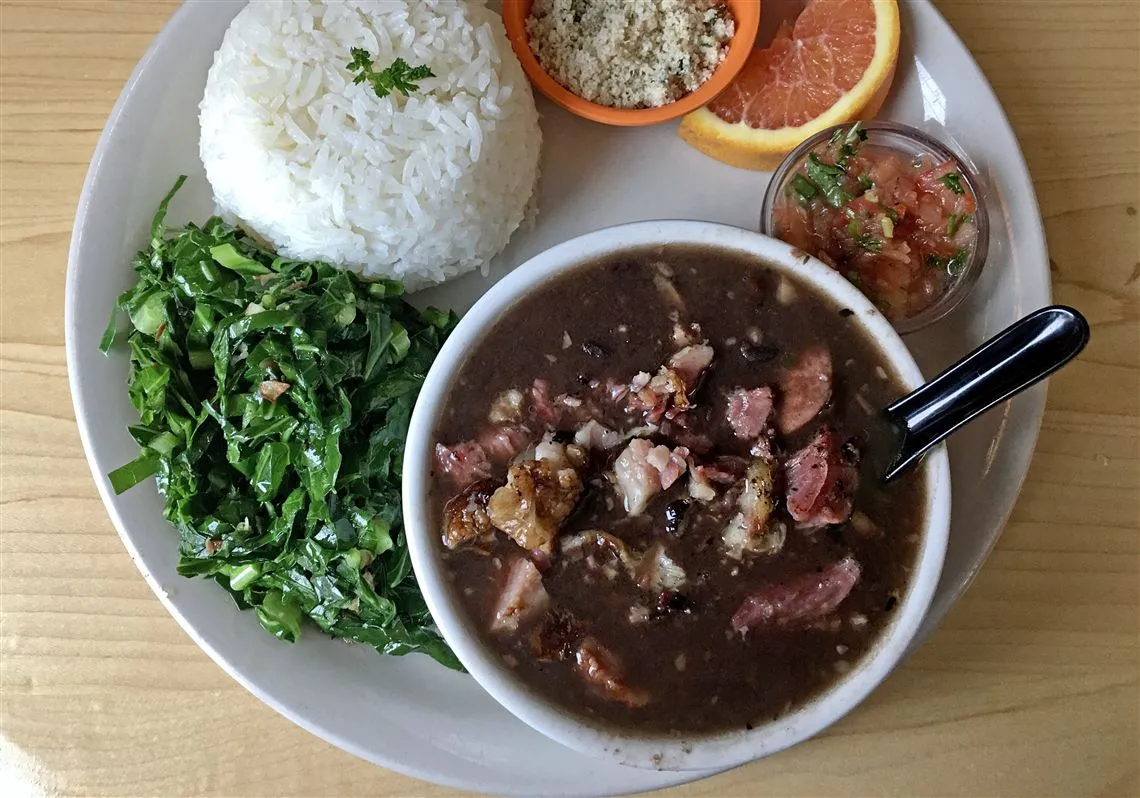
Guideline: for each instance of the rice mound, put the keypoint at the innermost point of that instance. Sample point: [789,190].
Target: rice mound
[419,188]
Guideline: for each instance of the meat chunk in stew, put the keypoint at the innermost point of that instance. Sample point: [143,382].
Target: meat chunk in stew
[804,389]
[523,597]
[667,394]
[752,528]
[644,470]
[803,598]
[821,483]
[466,518]
[538,496]
[477,459]
[602,671]
[749,411]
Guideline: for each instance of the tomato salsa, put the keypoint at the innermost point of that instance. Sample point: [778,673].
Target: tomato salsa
[901,227]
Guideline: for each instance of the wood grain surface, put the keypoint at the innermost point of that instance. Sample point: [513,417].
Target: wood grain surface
[1031,687]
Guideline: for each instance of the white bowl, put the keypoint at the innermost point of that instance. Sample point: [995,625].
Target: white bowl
[631,748]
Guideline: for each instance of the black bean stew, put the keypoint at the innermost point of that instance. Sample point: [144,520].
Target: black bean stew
[655,482]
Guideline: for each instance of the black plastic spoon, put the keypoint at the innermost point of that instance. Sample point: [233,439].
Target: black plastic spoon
[1021,355]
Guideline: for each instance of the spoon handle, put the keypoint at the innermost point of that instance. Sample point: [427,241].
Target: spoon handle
[1023,354]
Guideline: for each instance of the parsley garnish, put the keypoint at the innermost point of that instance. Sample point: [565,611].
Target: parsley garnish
[828,176]
[803,188]
[851,141]
[953,181]
[401,76]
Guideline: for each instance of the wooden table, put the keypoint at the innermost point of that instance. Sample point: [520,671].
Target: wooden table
[1032,685]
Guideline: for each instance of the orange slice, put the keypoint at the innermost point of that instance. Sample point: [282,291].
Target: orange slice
[834,65]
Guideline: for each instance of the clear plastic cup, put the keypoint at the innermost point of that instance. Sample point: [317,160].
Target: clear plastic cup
[914,144]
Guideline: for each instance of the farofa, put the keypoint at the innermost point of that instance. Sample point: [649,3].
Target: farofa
[630,53]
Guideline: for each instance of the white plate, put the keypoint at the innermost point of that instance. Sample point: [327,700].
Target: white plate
[409,714]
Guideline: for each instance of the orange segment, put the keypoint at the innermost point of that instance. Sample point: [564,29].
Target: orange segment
[835,64]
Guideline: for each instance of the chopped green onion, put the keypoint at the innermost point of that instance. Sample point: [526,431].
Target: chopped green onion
[888,227]
[869,243]
[955,222]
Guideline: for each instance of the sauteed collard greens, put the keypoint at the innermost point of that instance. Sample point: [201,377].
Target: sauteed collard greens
[274,398]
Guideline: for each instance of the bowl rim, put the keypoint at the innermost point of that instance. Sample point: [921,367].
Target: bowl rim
[921,140]
[747,14]
[696,752]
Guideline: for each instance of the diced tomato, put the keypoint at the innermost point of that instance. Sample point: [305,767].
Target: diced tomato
[931,181]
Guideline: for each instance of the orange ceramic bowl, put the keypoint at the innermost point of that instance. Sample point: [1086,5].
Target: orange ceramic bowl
[746,13]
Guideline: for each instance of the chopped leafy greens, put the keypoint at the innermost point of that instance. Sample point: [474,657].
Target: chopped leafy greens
[953,222]
[400,76]
[274,398]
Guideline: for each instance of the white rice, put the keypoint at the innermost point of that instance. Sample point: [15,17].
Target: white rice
[419,188]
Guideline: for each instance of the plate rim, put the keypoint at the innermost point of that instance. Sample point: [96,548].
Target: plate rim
[1033,410]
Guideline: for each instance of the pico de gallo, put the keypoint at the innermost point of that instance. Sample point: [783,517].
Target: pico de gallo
[901,228]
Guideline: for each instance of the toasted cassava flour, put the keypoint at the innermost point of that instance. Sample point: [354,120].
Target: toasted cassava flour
[630,53]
